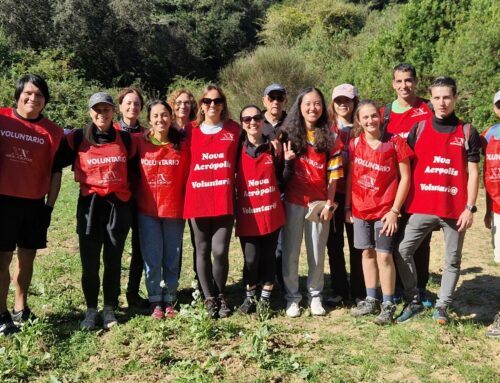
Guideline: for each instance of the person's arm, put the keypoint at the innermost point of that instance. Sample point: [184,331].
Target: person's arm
[390,219]
[466,218]
[55,187]
[487,214]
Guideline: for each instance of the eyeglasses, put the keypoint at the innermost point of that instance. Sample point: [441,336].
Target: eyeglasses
[248,119]
[216,101]
[181,103]
[278,97]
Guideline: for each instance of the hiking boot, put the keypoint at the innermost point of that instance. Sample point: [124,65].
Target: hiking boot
[426,302]
[224,309]
[264,309]
[386,315]
[170,311]
[440,315]
[411,310]
[368,306]
[494,330]
[212,307]
[292,310]
[156,311]
[21,317]
[248,306]
[316,307]
[108,317]
[90,320]
[7,326]
[135,300]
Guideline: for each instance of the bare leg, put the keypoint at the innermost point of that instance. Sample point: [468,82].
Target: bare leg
[387,272]
[370,270]
[5,260]
[22,276]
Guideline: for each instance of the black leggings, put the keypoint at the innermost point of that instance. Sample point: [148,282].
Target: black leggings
[136,260]
[212,236]
[260,260]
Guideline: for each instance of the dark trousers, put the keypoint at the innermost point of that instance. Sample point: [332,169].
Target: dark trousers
[340,283]
[136,260]
[212,236]
[260,264]
[102,224]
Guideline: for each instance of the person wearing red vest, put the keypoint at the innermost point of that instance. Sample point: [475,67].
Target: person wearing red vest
[399,117]
[341,112]
[490,140]
[99,154]
[259,209]
[318,166]
[377,186]
[29,185]
[164,163]
[209,194]
[443,194]
[131,102]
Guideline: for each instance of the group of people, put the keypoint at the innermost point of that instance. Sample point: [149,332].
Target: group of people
[387,175]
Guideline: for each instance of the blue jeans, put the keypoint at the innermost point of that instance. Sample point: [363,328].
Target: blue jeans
[161,244]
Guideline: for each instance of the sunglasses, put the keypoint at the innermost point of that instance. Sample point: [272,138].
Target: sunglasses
[248,119]
[278,97]
[216,101]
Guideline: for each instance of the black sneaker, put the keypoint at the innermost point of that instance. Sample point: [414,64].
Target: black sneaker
[21,317]
[212,307]
[366,307]
[440,315]
[386,315]
[248,306]
[224,309]
[135,300]
[411,310]
[7,326]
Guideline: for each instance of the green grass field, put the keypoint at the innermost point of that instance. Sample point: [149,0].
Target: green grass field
[193,348]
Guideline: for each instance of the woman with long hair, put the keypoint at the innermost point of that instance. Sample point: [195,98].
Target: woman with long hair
[209,194]
[318,166]
[184,108]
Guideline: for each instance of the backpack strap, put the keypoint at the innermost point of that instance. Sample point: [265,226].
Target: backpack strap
[466,129]
[420,128]
[387,117]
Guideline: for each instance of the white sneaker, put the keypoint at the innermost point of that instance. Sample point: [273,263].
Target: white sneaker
[89,323]
[108,317]
[292,310]
[317,307]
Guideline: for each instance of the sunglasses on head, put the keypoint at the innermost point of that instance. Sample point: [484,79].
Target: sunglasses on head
[248,119]
[279,97]
[208,101]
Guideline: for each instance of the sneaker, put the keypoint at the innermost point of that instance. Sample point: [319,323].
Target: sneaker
[316,307]
[248,306]
[411,309]
[494,330]
[170,311]
[366,307]
[440,315]
[335,301]
[90,320]
[292,310]
[7,326]
[135,300]
[21,317]
[423,298]
[263,309]
[108,317]
[224,309]
[156,311]
[212,307]
[386,315]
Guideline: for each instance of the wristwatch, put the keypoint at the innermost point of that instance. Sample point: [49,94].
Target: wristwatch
[471,208]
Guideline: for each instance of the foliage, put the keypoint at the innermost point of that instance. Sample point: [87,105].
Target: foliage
[247,77]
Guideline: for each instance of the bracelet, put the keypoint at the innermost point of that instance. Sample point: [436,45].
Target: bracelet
[395,211]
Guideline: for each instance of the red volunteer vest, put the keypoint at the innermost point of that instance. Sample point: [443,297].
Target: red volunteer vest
[162,184]
[401,123]
[492,169]
[27,151]
[439,182]
[308,182]
[210,185]
[375,176]
[102,169]
[259,209]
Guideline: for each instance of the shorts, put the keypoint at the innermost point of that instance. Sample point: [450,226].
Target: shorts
[23,223]
[367,236]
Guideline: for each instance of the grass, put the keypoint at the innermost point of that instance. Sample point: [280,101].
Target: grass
[193,348]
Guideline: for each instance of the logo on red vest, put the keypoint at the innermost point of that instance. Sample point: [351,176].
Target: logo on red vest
[457,141]
[110,177]
[19,155]
[367,182]
[226,136]
[419,112]
[494,174]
